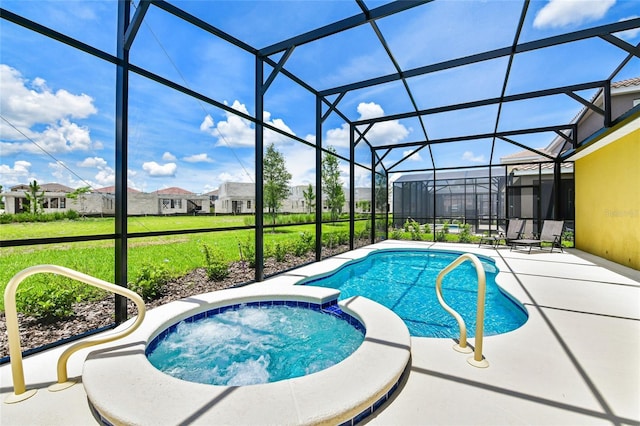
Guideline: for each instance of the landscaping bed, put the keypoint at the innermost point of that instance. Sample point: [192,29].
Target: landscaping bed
[90,316]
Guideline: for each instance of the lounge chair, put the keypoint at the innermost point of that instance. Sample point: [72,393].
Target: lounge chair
[551,233]
[514,231]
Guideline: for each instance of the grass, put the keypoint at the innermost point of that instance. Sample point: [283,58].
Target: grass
[97,226]
[178,253]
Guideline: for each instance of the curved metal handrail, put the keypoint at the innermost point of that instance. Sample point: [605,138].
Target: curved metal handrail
[20,392]
[477,360]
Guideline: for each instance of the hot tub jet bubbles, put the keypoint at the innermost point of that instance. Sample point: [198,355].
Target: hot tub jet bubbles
[252,344]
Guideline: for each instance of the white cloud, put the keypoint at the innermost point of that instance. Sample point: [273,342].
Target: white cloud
[106,176]
[19,168]
[236,131]
[154,169]
[369,110]
[384,132]
[470,156]
[338,136]
[562,13]
[13,175]
[27,105]
[167,156]
[235,177]
[414,157]
[198,158]
[93,162]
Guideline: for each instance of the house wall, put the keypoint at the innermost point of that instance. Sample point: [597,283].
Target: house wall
[238,194]
[593,122]
[608,200]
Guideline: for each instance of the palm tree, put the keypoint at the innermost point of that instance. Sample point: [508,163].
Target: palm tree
[34,198]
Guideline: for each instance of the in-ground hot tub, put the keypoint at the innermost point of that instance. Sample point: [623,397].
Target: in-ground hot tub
[256,342]
[125,388]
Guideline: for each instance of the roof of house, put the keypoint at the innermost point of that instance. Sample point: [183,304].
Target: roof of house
[558,143]
[46,187]
[112,190]
[626,83]
[174,190]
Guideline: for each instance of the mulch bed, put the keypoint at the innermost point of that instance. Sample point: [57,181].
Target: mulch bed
[91,316]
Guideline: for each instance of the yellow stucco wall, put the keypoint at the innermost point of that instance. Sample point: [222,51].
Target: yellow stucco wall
[608,201]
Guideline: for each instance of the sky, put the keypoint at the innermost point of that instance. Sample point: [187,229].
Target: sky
[57,104]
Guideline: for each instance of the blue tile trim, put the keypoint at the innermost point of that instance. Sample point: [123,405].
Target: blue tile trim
[331,307]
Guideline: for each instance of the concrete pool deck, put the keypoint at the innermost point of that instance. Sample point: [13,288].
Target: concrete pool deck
[575,361]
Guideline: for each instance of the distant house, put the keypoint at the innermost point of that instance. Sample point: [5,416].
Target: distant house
[177,200]
[54,198]
[101,201]
[213,196]
[239,198]
[235,198]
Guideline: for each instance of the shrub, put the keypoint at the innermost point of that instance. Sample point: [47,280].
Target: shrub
[39,217]
[49,303]
[280,251]
[304,244]
[445,227]
[217,267]
[441,236]
[396,234]
[248,251]
[465,233]
[150,281]
[342,238]
[414,229]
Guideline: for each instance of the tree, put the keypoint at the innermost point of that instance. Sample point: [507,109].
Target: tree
[276,181]
[79,194]
[309,198]
[34,198]
[331,183]
[381,192]
[1,199]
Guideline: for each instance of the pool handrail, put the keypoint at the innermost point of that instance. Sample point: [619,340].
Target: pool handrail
[477,360]
[20,393]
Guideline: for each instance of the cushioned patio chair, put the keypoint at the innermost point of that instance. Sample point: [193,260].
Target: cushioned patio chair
[551,233]
[514,231]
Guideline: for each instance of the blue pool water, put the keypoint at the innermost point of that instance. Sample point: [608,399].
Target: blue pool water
[257,343]
[404,281]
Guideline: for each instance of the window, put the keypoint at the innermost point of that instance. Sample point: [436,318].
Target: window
[249,205]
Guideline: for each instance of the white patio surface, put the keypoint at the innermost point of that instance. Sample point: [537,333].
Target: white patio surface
[576,361]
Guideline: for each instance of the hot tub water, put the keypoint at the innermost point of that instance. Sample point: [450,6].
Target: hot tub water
[255,344]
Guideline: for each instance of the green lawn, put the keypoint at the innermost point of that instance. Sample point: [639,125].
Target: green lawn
[178,253]
[97,226]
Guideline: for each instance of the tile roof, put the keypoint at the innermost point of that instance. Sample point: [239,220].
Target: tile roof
[172,191]
[626,83]
[112,190]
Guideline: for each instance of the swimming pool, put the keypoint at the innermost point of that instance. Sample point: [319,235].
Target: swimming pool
[260,342]
[404,281]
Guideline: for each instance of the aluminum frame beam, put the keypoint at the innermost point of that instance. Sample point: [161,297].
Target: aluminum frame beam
[342,25]
[492,54]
